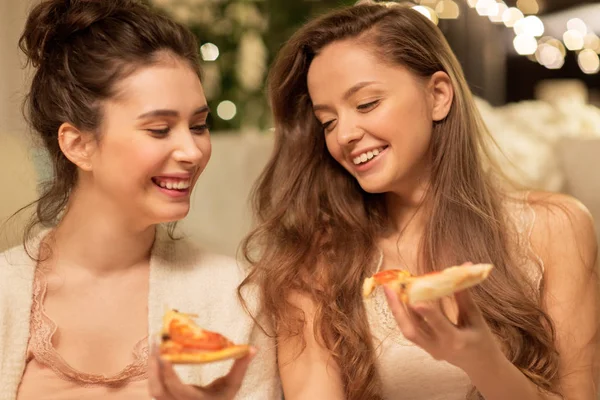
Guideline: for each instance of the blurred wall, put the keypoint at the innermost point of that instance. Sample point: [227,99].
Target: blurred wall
[17,173]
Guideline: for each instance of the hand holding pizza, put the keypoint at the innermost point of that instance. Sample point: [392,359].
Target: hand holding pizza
[184,342]
[165,384]
[414,301]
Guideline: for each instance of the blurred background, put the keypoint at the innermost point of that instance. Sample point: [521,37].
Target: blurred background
[532,64]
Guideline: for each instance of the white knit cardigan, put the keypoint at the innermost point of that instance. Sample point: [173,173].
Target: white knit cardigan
[182,277]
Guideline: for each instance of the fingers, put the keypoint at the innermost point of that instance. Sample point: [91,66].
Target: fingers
[433,315]
[164,383]
[468,311]
[231,383]
[174,386]
[239,368]
[410,323]
[155,385]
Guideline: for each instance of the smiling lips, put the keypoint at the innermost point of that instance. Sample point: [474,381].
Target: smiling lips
[367,155]
[173,183]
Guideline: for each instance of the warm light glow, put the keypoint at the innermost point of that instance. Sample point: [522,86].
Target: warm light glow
[549,56]
[573,40]
[226,110]
[209,52]
[497,17]
[528,6]
[511,16]
[447,9]
[472,3]
[428,12]
[529,26]
[486,7]
[556,65]
[592,42]
[588,61]
[558,44]
[575,24]
[428,3]
[531,57]
[525,45]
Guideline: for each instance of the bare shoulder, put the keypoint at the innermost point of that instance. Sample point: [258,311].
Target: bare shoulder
[563,227]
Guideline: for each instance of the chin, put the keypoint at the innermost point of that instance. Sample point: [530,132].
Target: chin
[374,186]
[374,189]
[173,215]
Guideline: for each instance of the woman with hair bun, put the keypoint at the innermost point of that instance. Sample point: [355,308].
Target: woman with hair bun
[117,101]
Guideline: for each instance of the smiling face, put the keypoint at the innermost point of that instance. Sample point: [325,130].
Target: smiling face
[377,118]
[154,144]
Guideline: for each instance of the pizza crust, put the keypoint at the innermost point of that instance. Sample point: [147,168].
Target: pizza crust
[449,281]
[413,289]
[233,352]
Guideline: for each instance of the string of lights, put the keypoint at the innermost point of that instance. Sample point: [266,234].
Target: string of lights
[528,29]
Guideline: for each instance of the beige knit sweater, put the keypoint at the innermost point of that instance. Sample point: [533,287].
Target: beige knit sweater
[182,277]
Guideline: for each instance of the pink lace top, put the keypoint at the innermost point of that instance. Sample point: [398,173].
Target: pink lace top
[48,376]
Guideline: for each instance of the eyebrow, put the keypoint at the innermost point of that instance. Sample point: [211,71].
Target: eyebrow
[172,113]
[348,93]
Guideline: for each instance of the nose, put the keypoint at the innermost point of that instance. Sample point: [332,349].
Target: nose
[349,134]
[186,149]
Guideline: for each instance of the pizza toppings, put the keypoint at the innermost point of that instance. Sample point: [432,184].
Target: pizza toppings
[183,341]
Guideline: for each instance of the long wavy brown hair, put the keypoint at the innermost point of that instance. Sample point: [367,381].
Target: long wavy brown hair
[317,229]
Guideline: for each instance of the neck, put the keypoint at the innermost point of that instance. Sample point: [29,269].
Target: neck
[408,206]
[406,216]
[99,238]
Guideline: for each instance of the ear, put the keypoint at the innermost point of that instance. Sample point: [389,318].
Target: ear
[76,145]
[442,94]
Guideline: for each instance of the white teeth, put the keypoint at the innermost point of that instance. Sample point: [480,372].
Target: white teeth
[183,185]
[180,185]
[364,157]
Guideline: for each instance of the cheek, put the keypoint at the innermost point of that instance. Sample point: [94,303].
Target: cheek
[145,159]
[204,144]
[334,148]
[133,160]
[409,126]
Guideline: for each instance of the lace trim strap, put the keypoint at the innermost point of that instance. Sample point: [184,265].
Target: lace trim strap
[41,348]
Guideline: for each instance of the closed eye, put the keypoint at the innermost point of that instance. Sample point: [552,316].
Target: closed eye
[199,129]
[367,106]
[159,132]
[327,124]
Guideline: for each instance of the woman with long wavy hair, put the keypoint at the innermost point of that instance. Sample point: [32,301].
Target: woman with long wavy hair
[381,161]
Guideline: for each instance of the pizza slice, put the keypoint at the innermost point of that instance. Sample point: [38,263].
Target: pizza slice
[184,342]
[412,289]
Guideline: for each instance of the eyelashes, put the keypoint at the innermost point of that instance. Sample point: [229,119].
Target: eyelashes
[327,124]
[197,129]
[366,107]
